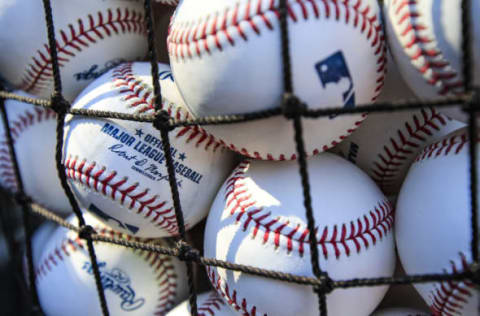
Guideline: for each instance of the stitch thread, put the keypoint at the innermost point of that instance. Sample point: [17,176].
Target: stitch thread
[189,39]
[18,125]
[420,46]
[230,295]
[130,195]
[451,145]
[162,265]
[405,143]
[345,238]
[449,297]
[282,157]
[139,96]
[211,305]
[39,73]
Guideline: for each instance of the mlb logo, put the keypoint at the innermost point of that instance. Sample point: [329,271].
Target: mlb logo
[334,70]
[95,210]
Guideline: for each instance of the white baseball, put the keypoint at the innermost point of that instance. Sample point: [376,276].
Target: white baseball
[39,240]
[92,37]
[40,237]
[387,143]
[135,282]
[33,130]
[226,59]
[118,169]
[208,304]
[400,311]
[433,223]
[426,41]
[258,219]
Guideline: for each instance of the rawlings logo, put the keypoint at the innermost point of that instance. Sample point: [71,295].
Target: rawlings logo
[119,283]
[334,75]
[95,71]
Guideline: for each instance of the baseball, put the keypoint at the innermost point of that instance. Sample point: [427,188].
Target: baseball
[39,240]
[33,130]
[117,168]
[208,304]
[387,143]
[434,209]
[233,48]
[426,41]
[92,37]
[40,237]
[400,311]
[135,282]
[259,210]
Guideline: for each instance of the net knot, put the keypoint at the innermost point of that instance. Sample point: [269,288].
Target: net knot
[292,107]
[86,232]
[473,105]
[325,286]
[162,121]
[59,104]
[187,252]
[22,199]
[474,269]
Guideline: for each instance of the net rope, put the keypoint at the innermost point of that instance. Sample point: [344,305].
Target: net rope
[291,108]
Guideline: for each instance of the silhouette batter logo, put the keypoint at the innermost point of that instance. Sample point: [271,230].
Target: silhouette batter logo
[334,74]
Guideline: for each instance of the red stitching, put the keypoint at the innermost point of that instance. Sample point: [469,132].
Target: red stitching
[443,75]
[211,305]
[38,74]
[449,297]
[282,157]
[19,125]
[362,232]
[451,145]
[185,34]
[139,95]
[230,295]
[404,144]
[162,265]
[127,194]
[181,35]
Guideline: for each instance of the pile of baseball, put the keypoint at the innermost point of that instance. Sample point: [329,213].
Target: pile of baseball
[382,185]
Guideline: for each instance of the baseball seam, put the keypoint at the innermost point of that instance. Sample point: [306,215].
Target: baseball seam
[403,144]
[449,297]
[211,305]
[421,48]
[139,96]
[216,32]
[230,294]
[161,265]
[19,125]
[131,195]
[356,235]
[448,146]
[39,73]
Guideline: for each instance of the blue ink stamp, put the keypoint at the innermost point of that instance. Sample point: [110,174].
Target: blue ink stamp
[96,71]
[164,75]
[118,282]
[95,210]
[334,69]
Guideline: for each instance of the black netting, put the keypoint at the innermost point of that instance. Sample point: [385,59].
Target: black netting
[293,109]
